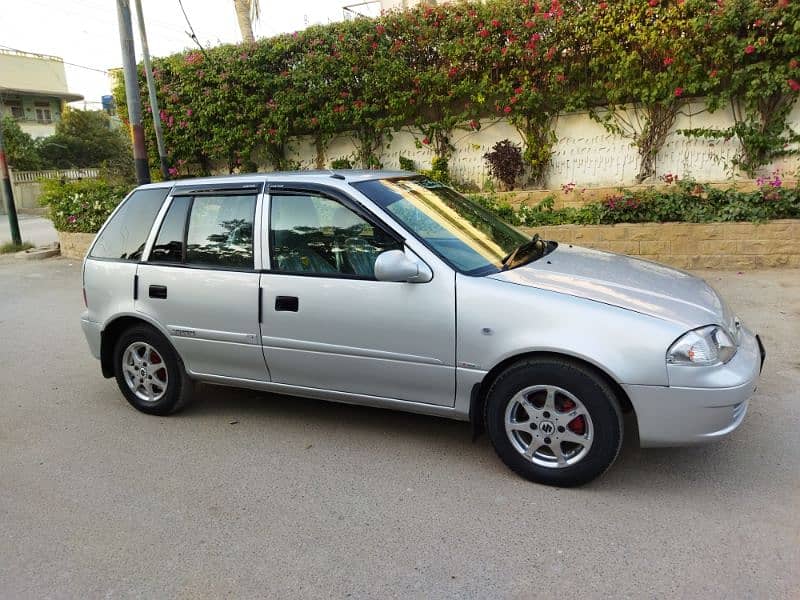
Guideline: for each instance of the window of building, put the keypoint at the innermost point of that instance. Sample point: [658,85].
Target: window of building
[43,114]
[313,234]
[15,106]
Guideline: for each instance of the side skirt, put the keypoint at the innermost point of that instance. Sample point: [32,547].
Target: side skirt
[458,413]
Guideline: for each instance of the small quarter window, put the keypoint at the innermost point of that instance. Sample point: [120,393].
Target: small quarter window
[124,236]
[221,231]
[169,243]
[313,234]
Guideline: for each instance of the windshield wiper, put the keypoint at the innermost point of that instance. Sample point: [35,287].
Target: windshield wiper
[534,248]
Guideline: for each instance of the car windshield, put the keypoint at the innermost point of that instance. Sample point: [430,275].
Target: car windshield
[467,236]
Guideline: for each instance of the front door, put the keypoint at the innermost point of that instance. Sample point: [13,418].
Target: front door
[200,283]
[329,324]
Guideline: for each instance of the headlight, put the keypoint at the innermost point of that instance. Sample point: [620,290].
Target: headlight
[709,345]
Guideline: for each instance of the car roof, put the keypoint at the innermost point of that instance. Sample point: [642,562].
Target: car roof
[347,175]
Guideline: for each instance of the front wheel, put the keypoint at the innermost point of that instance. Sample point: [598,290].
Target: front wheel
[554,421]
[149,372]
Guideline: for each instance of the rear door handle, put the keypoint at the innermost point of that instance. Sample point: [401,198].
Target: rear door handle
[158,291]
[287,303]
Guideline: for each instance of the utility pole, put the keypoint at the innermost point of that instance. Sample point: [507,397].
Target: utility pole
[8,193]
[151,89]
[132,91]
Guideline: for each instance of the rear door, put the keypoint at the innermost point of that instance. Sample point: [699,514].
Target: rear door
[200,281]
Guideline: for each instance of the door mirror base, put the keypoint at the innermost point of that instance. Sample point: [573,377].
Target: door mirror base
[394,265]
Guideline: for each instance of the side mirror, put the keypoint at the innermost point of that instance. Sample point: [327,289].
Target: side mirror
[394,265]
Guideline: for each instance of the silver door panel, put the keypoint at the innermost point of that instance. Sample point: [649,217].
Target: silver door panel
[367,337]
[212,317]
[411,381]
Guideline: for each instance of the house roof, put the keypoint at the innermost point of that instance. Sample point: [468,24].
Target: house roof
[66,96]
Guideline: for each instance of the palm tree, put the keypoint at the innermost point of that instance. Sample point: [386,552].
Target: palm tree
[246,12]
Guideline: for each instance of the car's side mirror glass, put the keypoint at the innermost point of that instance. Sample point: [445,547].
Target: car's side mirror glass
[394,265]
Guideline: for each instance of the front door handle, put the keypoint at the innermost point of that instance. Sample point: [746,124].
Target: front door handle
[158,291]
[287,303]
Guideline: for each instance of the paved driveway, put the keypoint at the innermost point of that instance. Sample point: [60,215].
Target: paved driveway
[251,495]
[36,230]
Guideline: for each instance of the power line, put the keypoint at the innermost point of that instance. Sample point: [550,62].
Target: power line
[192,35]
[104,71]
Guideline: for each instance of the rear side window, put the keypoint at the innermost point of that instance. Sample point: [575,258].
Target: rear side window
[221,231]
[125,235]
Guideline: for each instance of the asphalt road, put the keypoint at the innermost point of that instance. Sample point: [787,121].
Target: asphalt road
[251,495]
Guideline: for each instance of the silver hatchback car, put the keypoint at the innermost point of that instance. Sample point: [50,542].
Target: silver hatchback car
[391,290]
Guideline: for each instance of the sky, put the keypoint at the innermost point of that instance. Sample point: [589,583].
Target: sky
[86,32]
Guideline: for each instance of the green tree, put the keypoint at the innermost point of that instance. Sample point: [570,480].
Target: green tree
[86,138]
[20,147]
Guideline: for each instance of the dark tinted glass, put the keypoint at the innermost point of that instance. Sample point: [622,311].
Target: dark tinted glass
[312,234]
[169,243]
[125,235]
[221,231]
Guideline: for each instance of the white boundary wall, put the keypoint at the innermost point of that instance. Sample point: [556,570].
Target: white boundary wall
[585,154]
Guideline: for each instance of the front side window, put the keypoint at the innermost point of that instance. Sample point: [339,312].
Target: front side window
[314,234]
[467,236]
[220,232]
[124,236]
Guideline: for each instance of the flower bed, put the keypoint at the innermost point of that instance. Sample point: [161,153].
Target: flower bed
[685,201]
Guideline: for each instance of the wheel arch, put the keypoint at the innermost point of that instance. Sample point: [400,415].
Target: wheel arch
[480,390]
[114,328]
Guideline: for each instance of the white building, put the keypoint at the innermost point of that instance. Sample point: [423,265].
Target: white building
[33,90]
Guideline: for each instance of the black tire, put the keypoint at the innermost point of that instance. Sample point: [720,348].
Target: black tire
[598,399]
[178,389]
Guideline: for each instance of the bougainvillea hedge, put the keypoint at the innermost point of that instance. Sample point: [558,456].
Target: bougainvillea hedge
[442,68]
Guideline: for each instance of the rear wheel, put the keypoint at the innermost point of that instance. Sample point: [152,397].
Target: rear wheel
[554,421]
[149,372]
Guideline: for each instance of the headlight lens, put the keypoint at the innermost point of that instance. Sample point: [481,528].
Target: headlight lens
[709,345]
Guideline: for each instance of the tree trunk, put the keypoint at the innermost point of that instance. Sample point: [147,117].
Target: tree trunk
[243,16]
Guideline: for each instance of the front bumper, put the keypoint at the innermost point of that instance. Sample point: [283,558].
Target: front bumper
[700,405]
[92,331]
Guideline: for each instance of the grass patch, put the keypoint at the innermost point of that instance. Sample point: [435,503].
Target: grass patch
[11,247]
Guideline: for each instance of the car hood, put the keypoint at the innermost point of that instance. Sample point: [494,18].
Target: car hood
[630,283]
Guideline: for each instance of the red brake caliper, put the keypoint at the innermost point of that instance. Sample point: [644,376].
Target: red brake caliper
[578,425]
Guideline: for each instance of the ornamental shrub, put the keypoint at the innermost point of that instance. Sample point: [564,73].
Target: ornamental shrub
[449,67]
[505,162]
[82,205]
[688,202]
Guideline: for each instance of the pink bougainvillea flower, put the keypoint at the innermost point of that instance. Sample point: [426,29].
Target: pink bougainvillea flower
[193,58]
[172,171]
[189,112]
[603,5]
[495,23]
[653,3]
[678,92]
[483,33]
[518,90]
[794,85]
[380,29]
[668,61]
[72,219]
[425,140]
[750,49]
[713,73]
[507,109]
